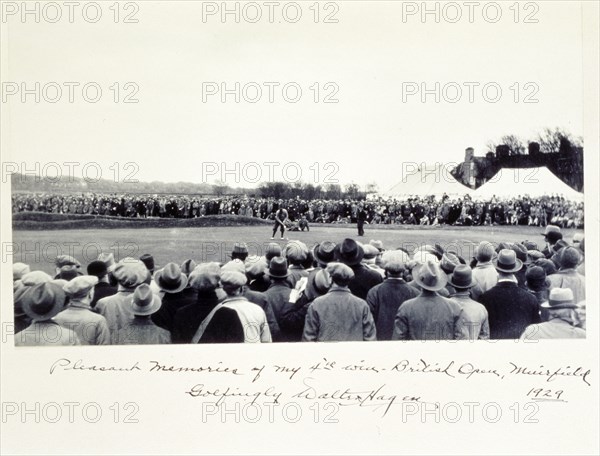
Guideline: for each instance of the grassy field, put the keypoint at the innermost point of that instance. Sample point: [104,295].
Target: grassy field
[39,248]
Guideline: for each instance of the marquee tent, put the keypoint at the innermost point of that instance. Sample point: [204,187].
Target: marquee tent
[427,180]
[510,182]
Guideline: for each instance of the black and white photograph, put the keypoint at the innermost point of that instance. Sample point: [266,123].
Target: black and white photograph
[410,185]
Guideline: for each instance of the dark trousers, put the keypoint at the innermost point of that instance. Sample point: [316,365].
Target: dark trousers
[278,226]
[360,225]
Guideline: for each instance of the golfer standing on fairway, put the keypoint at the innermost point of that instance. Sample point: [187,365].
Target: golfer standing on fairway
[281,216]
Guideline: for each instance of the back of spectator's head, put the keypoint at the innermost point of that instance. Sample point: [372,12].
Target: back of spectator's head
[273,249]
[188,266]
[69,272]
[19,270]
[484,252]
[546,265]
[240,251]
[535,278]
[232,281]
[296,252]
[340,273]
[205,277]
[569,257]
[394,261]
[97,268]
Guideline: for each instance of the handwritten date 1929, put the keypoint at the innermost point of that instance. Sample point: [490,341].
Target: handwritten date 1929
[545,394]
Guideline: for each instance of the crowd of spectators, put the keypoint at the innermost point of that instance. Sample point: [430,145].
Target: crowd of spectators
[344,291]
[447,210]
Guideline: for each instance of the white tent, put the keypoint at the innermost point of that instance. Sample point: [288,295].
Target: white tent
[510,182]
[427,180]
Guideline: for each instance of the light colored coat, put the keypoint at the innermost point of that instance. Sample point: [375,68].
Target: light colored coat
[116,310]
[569,278]
[485,276]
[90,327]
[474,317]
[553,329]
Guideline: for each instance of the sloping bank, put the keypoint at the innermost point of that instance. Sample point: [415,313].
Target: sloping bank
[49,221]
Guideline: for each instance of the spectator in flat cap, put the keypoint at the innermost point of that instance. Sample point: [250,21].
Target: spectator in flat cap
[538,285]
[173,282]
[533,255]
[255,272]
[370,257]
[140,330]
[484,273]
[68,272]
[240,251]
[129,274]
[41,303]
[235,319]
[253,296]
[205,280]
[474,317]
[350,253]
[296,253]
[278,294]
[65,260]
[35,278]
[521,253]
[567,276]
[103,288]
[339,315]
[19,270]
[429,316]
[548,266]
[90,327]
[188,266]
[385,299]
[510,308]
[563,320]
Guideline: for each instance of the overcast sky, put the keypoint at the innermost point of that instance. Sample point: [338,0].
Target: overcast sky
[368,55]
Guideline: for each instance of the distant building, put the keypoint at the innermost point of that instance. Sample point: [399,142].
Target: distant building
[567,164]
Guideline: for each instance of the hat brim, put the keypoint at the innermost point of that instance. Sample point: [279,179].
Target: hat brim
[54,311]
[349,261]
[182,279]
[146,310]
[518,266]
[457,285]
[286,275]
[561,305]
[441,283]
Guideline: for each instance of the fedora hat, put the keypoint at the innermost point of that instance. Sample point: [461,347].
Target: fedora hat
[348,252]
[35,278]
[449,262]
[560,298]
[148,261]
[550,229]
[535,278]
[43,301]
[324,252]
[170,279]
[143,301]
[462,277]
[278,268]
[430,276]
[507,261]
[188,266]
